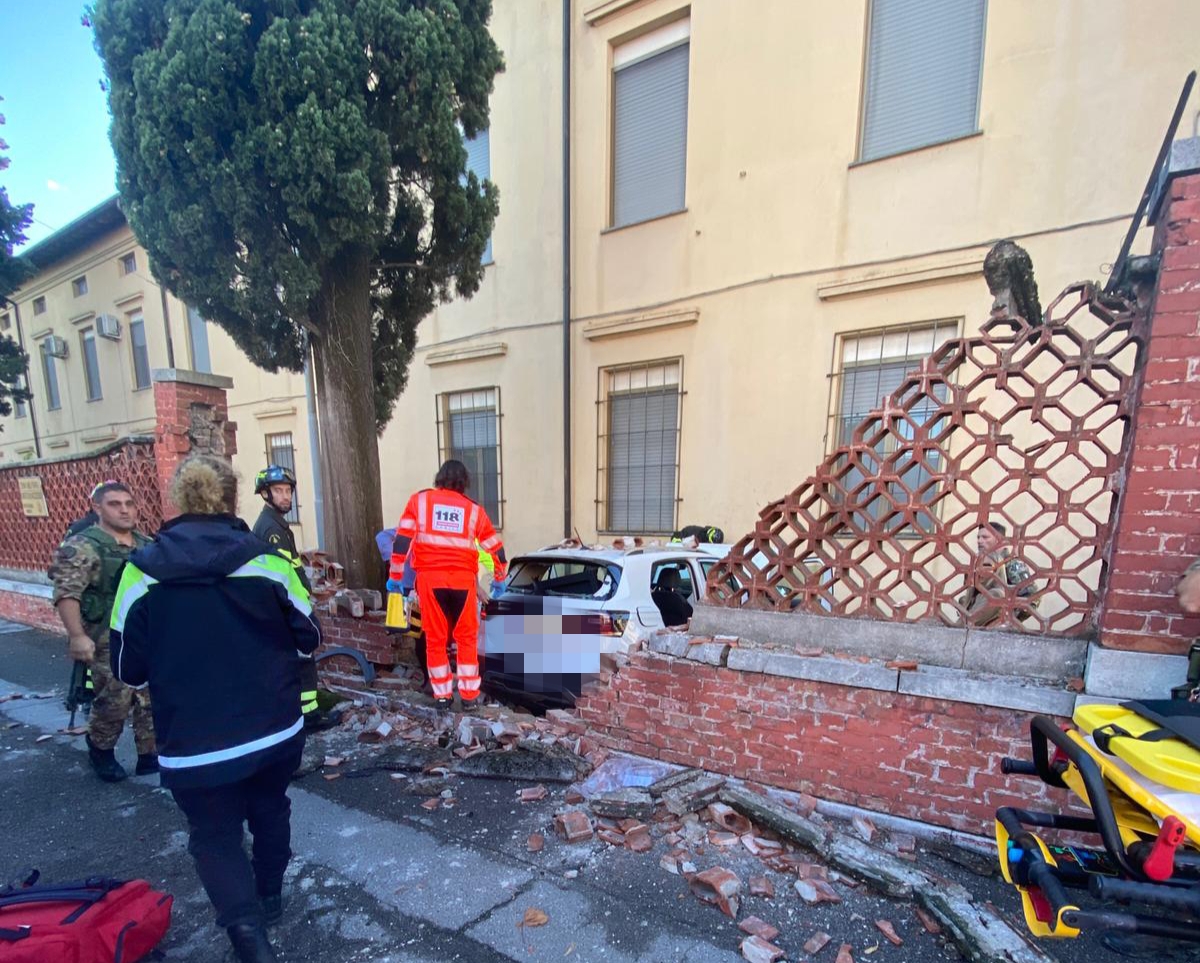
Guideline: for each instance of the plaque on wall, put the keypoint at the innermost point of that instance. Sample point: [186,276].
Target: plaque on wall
[33,498]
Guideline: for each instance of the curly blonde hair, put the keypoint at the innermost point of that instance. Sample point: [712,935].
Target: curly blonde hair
[205,485]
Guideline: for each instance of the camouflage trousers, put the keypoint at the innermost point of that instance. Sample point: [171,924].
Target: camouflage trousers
[112,704]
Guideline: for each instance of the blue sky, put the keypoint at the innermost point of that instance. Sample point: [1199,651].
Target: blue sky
[57,115]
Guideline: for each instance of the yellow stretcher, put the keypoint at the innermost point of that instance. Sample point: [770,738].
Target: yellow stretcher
[1144,798]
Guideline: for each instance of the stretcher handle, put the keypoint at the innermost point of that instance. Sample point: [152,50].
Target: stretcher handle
[1183,899]
[1042,732]
[1092,920]
[1018,767]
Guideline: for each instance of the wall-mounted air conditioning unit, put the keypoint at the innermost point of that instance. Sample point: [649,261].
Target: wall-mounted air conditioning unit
[107,326]
[55,346]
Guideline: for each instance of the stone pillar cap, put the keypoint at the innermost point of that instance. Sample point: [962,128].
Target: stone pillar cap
[187,377]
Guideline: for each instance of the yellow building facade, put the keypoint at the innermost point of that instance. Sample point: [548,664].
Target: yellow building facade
[776,208]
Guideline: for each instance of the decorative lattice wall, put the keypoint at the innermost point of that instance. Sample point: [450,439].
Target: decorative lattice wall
[28,543]
[1024,425]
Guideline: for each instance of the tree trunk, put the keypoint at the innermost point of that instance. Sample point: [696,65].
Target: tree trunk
[346,411]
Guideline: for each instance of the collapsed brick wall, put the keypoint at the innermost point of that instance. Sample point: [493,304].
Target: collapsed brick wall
[382,650]
[27,543]
[1158,531]
[925,759]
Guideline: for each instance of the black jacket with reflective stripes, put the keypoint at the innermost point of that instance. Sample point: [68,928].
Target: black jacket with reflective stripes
[215,622]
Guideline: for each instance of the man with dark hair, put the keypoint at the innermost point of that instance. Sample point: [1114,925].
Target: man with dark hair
[90,518]
[444,531]
[996,572]
[85,573]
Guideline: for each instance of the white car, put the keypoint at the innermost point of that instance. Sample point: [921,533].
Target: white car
[561,608]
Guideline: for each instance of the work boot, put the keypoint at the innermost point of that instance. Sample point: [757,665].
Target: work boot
[250,943]
[443,704]
[105,763]
[470,706]
[272,907]
[147,764]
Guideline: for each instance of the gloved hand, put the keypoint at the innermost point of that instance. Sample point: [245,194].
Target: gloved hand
[393,585]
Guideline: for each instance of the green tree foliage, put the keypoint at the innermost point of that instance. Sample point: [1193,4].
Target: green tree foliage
[14,219]
[296,170]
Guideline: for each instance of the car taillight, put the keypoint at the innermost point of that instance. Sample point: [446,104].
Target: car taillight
[613,623]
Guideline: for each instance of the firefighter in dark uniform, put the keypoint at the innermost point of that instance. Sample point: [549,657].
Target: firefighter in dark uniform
[277,486]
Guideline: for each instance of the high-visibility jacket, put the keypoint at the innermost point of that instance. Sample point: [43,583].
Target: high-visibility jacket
[444,532]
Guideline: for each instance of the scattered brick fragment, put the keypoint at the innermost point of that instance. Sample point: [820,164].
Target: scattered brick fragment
[573,826]
[932,926]
[757,950]
[533,793]
[718,886]
[761,886]
[845,954]
[536,842]
[432,804]
[889,932]
[863,828]
[816,943]
[757,927]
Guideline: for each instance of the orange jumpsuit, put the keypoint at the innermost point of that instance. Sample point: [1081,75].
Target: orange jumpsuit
[444,531]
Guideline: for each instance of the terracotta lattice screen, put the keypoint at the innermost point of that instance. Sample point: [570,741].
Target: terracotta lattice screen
[1024,425]
[29,542]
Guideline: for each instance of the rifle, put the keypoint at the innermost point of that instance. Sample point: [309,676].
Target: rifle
[80,692]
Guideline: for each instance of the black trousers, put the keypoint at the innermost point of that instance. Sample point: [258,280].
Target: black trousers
[215,821]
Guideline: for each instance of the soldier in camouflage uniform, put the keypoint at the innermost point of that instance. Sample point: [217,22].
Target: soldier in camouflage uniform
[85,573]
[1188,588]
[997,571]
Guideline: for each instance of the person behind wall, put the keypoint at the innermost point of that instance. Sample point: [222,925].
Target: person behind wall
[277,487]
[211,620]
[997,570]
[444,531]
[674,608]
[84,574]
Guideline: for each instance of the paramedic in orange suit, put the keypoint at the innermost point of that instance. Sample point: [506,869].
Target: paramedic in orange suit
[443,531]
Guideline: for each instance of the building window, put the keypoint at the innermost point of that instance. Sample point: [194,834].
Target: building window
[479,163]
[50,376]
[5,322]
[39,305]
[79,286]
[20,409]
[650,115]
[924,60]
[128,263]
[198,341]
[281,452]
[141,353]
[871,365]
[469,430]
[91,364]
[638,450]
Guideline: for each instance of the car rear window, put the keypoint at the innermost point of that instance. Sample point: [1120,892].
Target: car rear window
[567,577]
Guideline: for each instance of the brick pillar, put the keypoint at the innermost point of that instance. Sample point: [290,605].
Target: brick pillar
[191,415]
[1158,529]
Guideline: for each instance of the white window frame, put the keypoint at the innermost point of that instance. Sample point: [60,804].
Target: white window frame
[93,391]
[135,320]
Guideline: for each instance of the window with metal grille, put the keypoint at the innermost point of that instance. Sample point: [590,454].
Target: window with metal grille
[468,425]
[924,62]
[479,163]
[869,366]
[91,364]
[650,117]
[141,353]
[50,375]
[281,452]
[638,447]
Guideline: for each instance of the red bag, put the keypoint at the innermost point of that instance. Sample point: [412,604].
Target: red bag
[91,921]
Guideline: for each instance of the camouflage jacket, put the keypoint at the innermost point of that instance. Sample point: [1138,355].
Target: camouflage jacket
[86,568]
[1006,571]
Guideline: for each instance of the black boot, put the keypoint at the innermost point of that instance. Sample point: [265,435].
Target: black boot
[272,907]
[147,764]
[105,763]
[250,943]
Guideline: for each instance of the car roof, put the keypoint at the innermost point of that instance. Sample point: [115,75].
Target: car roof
[613,555]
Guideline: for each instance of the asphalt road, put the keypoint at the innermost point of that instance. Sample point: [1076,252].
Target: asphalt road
[377,877]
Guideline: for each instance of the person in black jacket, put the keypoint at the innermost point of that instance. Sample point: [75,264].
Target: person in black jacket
[675,609]
[211,619]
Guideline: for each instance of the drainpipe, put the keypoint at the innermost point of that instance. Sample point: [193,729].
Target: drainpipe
[314,448]
[566,264]
[37,444]
[162,291]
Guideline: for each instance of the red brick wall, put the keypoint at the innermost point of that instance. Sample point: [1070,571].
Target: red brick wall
[173,402]
[1158,532]
[29,543]
[30,610]
[924,759]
